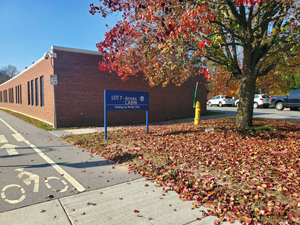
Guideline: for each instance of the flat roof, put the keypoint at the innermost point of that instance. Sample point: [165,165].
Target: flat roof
[53,48]
[75,50]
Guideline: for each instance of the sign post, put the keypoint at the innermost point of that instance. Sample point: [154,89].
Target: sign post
[53,81]
[125,100]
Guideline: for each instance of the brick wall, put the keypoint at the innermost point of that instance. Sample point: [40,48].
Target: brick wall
[41,68]
[80,91]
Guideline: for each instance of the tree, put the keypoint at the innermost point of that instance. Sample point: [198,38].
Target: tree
[10,70]
[3,77]
[222,82]
[285,76]
[168,40]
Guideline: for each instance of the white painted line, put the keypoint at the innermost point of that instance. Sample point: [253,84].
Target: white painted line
[75,183]
[16,186]
[3,139]
[10,149]
[18,137]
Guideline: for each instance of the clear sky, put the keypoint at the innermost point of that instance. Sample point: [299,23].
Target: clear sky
[28,29]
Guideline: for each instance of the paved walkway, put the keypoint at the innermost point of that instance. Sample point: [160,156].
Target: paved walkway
[60,133]
[132,202]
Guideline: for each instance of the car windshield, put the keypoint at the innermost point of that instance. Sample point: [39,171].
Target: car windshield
[227,97]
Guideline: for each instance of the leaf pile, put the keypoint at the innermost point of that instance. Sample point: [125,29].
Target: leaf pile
[252,175]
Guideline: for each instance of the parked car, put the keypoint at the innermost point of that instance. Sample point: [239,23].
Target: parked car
[260,100]
[274,97]
[220,101]
[291,101]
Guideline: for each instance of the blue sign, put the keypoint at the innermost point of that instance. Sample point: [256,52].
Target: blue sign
[125,100]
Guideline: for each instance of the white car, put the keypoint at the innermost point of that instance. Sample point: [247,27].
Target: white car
[220,100]
[259,100]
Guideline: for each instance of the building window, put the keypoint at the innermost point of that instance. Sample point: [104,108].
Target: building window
[11,95]
[5,96]
[20,94]
[37,91]
[42,90]
[28,91]
[17,94]
[0,96]
[32,93]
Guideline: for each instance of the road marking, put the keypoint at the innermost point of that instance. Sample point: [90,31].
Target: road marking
[75,183]
[13,201]
[18,137]
[10,149]
[3,139]
[56,178]
[32,177]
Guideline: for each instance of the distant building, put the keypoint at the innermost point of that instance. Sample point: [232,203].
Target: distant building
[78,95]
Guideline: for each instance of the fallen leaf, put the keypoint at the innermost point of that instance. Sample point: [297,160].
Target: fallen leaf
[49,196]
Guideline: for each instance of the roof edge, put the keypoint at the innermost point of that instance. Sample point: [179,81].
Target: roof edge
[32,65]
[65,49]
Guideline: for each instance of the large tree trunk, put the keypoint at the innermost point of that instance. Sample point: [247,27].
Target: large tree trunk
[247,91]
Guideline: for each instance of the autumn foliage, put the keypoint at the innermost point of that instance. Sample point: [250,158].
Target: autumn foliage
[170,41]
[247,174]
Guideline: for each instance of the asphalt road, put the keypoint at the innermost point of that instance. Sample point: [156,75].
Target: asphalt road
[267,113]
[35,164]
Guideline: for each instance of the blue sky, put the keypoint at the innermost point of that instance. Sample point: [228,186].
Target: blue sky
[28,29]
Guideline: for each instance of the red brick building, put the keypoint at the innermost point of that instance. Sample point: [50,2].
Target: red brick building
[77,99]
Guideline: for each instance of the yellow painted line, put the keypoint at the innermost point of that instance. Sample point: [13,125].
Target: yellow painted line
[75,183]
[3,139]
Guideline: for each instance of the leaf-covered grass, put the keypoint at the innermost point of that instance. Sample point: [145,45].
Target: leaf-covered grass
[252,175]
[28,119]
[48,127]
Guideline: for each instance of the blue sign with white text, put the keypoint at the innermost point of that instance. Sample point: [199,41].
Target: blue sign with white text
[126,100]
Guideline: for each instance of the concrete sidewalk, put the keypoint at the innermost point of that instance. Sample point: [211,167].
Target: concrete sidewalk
[60,133]
[131,202]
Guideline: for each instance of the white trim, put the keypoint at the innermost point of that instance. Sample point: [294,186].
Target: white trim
[64,49]
[28,116]
[58,48]
[32,65]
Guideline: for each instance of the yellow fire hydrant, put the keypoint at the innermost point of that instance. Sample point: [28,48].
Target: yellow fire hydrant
[197,113]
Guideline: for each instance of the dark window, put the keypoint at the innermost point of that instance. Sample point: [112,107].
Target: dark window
[5,96]
[32,93]
[42,90]
[28,91]
[37,91]
[20,92]
[17,94]
[0,96]
[11,95]
[294,93]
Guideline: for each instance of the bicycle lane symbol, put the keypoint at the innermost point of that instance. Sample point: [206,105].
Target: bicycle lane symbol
[31,177]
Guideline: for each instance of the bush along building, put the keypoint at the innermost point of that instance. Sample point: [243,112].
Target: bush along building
[78,97]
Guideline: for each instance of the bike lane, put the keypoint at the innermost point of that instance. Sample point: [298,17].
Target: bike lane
[36,166]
